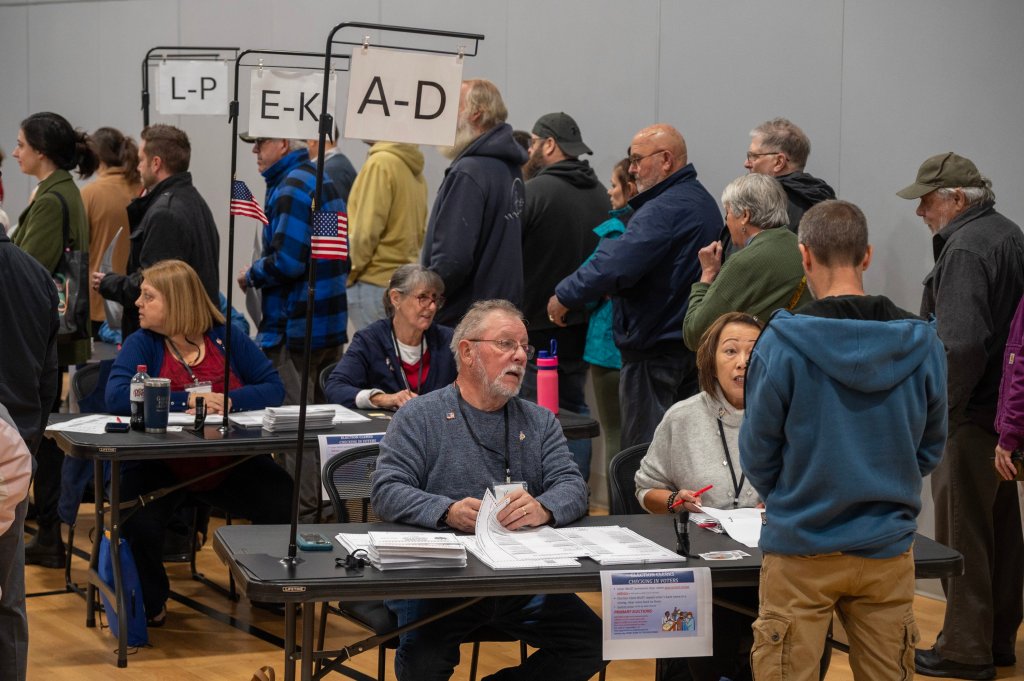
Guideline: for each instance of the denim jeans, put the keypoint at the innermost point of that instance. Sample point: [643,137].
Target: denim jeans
[365,304]
[572,382]
[647,388]
[565,631]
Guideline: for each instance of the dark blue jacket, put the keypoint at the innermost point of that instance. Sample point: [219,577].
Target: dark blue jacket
[474,235]
[281,273]
[262,387]
[649,270]
[370,362]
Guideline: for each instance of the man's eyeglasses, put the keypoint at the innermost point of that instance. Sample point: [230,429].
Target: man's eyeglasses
[751,155]
[425,299]
[635,160]
[507,345]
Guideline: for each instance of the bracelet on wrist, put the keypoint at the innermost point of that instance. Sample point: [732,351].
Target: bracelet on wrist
[670,501]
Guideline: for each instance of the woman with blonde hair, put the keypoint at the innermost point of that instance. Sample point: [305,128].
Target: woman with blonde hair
[182,338]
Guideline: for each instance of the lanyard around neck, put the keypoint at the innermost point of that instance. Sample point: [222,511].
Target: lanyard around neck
[181,360]
[472,434]
[737,486]
[401,369]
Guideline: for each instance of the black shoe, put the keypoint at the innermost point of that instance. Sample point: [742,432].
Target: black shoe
[1004,659]
[158,620]
[46,549]
[928,663]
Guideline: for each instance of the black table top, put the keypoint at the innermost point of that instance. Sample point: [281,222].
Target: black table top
[318,579]
[237,440]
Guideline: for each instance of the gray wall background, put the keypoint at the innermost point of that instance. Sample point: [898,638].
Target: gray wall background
[877,85]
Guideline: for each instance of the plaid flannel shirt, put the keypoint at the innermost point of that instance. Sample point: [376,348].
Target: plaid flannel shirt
[281,273]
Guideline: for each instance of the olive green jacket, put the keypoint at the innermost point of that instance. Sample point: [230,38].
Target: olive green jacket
[40,235]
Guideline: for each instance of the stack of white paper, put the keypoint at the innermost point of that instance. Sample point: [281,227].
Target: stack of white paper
[278,419]
[613,545]
[742,524]
[407,550]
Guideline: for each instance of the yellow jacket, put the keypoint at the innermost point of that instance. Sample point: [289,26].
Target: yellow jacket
[387,212]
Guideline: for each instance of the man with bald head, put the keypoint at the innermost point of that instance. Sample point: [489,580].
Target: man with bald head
[648,272]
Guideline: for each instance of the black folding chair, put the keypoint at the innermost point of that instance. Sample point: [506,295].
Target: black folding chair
[621,487]
[321,384]
[348,479]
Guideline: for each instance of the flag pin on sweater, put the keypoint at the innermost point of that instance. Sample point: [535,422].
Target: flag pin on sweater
[450,416]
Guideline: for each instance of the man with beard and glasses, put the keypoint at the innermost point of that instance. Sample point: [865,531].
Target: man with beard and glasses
[441,452]
[473,238]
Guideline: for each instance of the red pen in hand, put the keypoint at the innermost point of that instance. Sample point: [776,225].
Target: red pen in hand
[679,502]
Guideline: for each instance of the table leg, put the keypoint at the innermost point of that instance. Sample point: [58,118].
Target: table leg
[115,560]
[289,642]
[308,610]
[94,554]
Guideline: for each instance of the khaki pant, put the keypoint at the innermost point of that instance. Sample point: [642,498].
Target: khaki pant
[873,597]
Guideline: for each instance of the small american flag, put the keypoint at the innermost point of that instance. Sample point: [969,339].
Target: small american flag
[330,235]
[242,202]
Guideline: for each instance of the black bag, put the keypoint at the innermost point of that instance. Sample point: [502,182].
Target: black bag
[71,277]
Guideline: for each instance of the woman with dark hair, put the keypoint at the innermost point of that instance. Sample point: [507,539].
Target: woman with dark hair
[106,206]
[182,339]
[395,359]
[696,445]
[48,147]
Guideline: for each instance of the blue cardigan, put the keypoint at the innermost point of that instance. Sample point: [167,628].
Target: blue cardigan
[370,362]
[262,387]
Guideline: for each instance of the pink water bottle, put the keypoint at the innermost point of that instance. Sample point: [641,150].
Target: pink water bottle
[547,378]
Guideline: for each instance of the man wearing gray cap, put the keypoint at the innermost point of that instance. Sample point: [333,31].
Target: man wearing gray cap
[972,291]
[564,202]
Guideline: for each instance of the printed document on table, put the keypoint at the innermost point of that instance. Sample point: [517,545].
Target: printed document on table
[93,424]
[501,545]
[656,613]
[613,545]
[742,524]
[473,546]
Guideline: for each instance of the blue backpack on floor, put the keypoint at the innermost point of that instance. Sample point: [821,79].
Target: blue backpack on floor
[136,610]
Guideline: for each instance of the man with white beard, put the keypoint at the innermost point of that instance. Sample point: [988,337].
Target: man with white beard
[474,235]
[441,452]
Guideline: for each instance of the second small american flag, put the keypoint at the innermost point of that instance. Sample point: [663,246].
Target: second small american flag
[330,235]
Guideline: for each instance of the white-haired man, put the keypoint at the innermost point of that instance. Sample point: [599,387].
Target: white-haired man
[973,292]
[441,452]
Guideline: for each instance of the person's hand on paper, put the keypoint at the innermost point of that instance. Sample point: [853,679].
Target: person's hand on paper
[1004,464]
[214,402]
[462,514]
[523,510]
[391,400]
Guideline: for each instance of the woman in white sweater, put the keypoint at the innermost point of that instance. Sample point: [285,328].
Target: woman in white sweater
[694,446]
[696,443]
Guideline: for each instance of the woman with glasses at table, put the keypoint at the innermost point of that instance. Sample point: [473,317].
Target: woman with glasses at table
[182,338]
[395,359]
[697,445]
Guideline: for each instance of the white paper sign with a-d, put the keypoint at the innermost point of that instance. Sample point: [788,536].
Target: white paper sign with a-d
[398,96]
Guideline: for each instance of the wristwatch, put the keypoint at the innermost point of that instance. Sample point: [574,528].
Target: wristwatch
[444,516]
